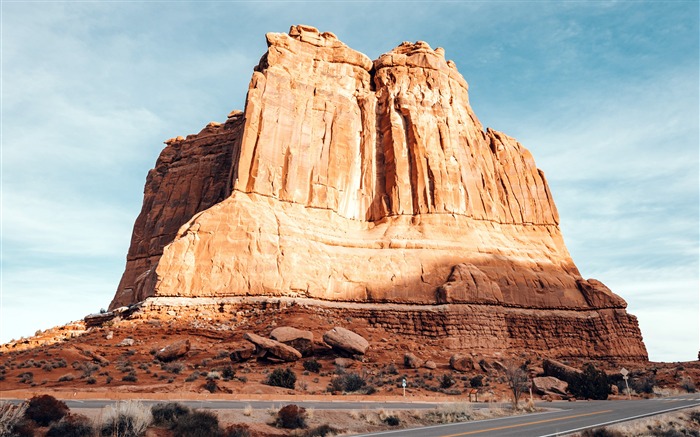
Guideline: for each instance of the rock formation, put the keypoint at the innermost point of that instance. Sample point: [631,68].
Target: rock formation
[347,180]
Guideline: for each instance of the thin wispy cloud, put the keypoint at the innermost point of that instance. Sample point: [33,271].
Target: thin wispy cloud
[605,95]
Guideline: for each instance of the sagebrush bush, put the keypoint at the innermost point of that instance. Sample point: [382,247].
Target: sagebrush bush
[199,423]
[228,373]
[177,367]
[476,381]
[10,416]
[211,386]
[72,425]
[291,417]
[348,382]
[166,414]
[312,365]
[125,419]
[45,409]
[130,377]
[446,380]
[282,378]
[392,421]
[353,382]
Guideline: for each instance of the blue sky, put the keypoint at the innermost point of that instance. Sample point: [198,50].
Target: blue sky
[604,94]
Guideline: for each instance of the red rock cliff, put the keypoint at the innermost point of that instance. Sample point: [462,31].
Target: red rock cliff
[353,180]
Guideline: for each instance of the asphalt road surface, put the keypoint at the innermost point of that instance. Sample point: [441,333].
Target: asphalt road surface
[561,418]
[568,418]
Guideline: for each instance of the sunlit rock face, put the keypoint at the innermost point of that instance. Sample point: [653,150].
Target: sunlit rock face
[358,181]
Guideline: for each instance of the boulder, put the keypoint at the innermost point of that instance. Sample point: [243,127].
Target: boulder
[548,385]
[174,351]
[560,370]
[268,348]
[98,319]
[411,361]
[301,340]
[461,363]
[346,341]
[242,352]
[126,342]
[430,365]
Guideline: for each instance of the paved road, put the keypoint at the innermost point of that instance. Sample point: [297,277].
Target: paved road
[562,418]
[239,405]
[569,418]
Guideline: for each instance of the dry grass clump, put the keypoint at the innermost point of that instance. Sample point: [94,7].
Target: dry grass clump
[683,423]
[248,410]
[72,425]
[125,418]
[463,412]
[10,416]
[451,413]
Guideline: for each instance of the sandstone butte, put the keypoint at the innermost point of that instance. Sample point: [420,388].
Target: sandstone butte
[371,187]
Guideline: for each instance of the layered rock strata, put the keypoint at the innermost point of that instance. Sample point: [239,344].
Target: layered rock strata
[360,181]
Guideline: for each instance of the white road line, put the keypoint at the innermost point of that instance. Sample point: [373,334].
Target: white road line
[654,413]
[448,425]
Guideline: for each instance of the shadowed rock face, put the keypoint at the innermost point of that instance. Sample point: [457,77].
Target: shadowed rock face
[352,180]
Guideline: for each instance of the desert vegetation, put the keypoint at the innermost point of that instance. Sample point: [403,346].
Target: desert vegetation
[685,423]
[45,415]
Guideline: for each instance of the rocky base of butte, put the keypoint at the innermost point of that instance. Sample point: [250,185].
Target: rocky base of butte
[225,347]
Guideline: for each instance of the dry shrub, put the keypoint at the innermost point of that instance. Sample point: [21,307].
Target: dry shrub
[312,365]
[72,425]
[166,414]
[392,420]
[45,409]
[285,378]
[248,410]
[348,382]
[211,386]
[674,424]
[451,413]
[125,419]
[10,417]
[291,417]
[198,423]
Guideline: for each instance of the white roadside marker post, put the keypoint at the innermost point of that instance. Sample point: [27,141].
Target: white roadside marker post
[624,372]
